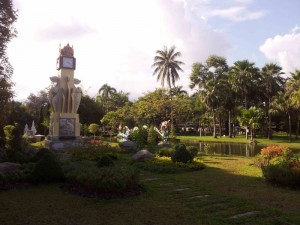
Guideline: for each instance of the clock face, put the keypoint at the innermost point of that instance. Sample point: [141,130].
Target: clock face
[68,62]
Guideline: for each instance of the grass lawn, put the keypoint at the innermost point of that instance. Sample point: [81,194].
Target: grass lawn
[277,140]
[228,191]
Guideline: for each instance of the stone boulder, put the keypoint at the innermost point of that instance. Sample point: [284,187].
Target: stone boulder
[128,145]
[9,167]
[142,155]
[164,145]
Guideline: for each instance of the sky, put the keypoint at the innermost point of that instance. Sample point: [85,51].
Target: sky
[115,41]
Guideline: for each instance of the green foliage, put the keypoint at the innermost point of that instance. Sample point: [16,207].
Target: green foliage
[193,150]
[181,154]
[47,169]
[152,138]
[173,131]
[139,137]
[165,152]
[93,152]
[42,152]
[13,137]
[283,171]
[93,128]
[105,161]
[82,176]
[165,165]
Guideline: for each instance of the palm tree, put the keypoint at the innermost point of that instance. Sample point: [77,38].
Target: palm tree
[245,78]
[167,66]
[208,77]
[251,117]
[177,90]
[292,87]
[105,92]
[273,82]
[284,103]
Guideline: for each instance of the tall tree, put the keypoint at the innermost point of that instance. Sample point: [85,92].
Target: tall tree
[7,18]
[166,66]
[282,102]
[245,79]
[105,93]
[273,82]
[208,77]
[292,87]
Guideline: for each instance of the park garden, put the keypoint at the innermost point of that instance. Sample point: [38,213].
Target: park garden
[160,178]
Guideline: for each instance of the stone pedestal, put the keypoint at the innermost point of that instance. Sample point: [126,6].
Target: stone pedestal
[64,131]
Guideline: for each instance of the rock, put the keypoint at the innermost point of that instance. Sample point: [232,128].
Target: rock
[128,145]
[164,145]
[142,155]
[9,167]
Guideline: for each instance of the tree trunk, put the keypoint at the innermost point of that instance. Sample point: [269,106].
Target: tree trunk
[220,126]
[214,125]
[290,128]
[229,124]
[270,123]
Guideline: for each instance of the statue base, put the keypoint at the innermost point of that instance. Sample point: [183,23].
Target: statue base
[55,143]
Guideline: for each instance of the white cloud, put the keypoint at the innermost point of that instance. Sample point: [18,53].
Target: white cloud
[114,43]
[284,49]
[237,13]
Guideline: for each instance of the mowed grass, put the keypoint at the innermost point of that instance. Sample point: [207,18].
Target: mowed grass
[230,190]
[277,140]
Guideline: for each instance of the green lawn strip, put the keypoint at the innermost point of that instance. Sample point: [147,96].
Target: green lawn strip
[277,140]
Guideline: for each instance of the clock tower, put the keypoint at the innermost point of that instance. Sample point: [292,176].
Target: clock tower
[64,97]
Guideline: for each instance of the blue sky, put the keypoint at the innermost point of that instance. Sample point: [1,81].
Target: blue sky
[115,41]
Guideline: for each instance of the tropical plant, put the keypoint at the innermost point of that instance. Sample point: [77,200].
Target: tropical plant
[245,80]
[251,117]
[208,77]
[273,82]
[167,66]
[105,93]
[93,128]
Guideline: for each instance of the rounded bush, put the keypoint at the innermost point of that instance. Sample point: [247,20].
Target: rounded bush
[105,161]
[41,153]
[47,170]
[181,154]
[283,171]
[165,152]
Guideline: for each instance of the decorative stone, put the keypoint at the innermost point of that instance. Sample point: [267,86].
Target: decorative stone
[127,145]
[142,155]
[9,167]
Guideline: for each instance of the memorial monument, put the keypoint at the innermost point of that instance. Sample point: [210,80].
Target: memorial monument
[64,98]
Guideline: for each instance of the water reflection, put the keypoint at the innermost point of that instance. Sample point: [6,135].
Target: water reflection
[239,149]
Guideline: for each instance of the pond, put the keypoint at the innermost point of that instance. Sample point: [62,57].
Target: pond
[225,148]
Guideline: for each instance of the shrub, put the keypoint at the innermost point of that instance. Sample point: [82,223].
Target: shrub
[270,152]
[165,165]
[47,169]
[193,150]
[165,152]
[181,154]
[139,137]
[93,152]
[105,161]
[152,136]
[273,151]
[43,151]
[282,171]
[105,180]
[13,136]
